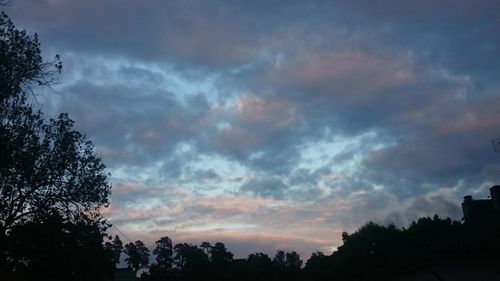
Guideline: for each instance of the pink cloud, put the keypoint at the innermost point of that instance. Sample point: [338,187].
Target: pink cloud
[352,74]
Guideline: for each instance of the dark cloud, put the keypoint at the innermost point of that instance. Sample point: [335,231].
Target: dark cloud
[267,187]
[235,33]
[308,177]
[193,32]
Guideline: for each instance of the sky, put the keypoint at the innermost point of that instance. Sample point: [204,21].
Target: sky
[277,124]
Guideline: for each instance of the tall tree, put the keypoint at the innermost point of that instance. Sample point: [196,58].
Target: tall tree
[51,181]
[115,248]
[191,261]
[206,248]
[188,256]
[138,255]
[54,249]
[293,260]
[220,255]
[45,166]
[279,258]
[164,252]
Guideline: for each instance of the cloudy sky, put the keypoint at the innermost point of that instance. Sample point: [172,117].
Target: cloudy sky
[278,124]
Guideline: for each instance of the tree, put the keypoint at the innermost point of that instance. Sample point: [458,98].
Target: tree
[164,252]
[259,266]
[293,260]
[52,184]
[138,255]
[259,259]
[54,249]
[279,258]
[219,254]
[45,166]
[206,248]
[191,261]
[21,63]
[189,256]
[115,248]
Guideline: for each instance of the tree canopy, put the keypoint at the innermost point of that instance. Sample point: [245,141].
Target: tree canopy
[45,165]
[52,183]
[138,255]
[21,62]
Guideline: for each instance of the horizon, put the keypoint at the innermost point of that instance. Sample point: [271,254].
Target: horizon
[266,125]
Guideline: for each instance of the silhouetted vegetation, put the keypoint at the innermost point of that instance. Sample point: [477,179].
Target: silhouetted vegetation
[52,185]
[371,253]
[53,248]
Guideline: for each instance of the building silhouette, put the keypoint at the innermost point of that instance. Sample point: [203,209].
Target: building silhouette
[480,210]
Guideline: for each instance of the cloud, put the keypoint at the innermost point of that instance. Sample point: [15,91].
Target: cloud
[187,32]
[265,187]
[237,118]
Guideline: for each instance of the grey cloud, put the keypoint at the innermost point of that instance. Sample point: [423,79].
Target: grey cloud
[306,194]
[171,31]
[131,194]
[204,174]
[175,165]
[425,207]
[234,33]
[133,123]
[440,31]
[419,77]
[267,187]
[307,177]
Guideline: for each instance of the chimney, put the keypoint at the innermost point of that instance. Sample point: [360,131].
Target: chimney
[467,208]
[495,198]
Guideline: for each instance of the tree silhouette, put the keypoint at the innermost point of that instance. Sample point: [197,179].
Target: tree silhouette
[191,261]
[138,255]
[259,266]
[21,63]
[164,253]
[52,184]
[372,252]
[293,260]
[279,258]
[47,167]
[54,249]
[115,247]
[220,255]
[187,255]
[316,266]
[206,248]
[259,259]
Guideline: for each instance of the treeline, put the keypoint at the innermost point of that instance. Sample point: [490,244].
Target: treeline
[375,251]
[369,253]
[204,262]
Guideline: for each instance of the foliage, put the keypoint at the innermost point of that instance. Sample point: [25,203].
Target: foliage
[375,250]
[164,252]
[47,167]
[138,255]
[115,248]
[219,254]
[367,254]
[55,249]
[21,63]
[52,184]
